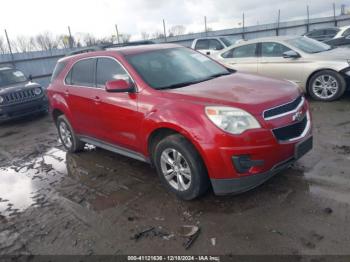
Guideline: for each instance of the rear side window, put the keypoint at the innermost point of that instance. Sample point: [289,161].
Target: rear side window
[202,44]
[241,52]
[58,69]
[109,69]
[83,73]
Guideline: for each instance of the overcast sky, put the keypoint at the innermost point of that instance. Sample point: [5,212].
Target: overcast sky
[29,17]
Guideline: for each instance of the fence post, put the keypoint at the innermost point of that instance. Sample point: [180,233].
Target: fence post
[70,38]
[308,19]
[205,26]
[164,30]
[9,45]
[116,29]
[243,35]
[278,22]
[335,18]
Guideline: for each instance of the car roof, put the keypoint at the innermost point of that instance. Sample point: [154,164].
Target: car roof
[266,39]
[127,50]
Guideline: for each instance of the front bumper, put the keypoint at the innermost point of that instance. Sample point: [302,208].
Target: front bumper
[10,112]
[246,183]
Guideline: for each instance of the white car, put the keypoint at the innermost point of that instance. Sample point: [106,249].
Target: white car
[334,36]
[317,68]
[210,45]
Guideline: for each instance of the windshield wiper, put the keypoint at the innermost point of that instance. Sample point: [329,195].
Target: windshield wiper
[220,74]
[180,85]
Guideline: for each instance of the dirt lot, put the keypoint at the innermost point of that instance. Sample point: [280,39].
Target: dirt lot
[97,202]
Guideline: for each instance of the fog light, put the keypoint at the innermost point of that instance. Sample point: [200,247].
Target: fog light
[243,163]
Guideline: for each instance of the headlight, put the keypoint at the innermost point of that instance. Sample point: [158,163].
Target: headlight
[37,91]
[230,119]
[1,100]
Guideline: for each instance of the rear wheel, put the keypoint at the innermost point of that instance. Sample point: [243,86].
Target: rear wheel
[326,85]
[180,167]
[68,138]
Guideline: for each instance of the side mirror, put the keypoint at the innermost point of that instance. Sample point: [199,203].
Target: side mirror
[30,77]
[119,86]
[208,53]
[291,54]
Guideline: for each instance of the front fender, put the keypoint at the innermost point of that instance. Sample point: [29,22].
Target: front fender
[189,121]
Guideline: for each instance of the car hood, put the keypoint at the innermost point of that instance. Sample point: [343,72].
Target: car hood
[249,92]
[340,53]
[17,87]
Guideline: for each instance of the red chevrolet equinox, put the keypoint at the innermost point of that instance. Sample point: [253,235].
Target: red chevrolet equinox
[198,123]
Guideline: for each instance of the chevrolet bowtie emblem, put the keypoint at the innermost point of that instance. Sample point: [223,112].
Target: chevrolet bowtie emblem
[298,116]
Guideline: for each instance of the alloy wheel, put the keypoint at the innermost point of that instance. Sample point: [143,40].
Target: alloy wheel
[176,169]
[325,86]
[66,134]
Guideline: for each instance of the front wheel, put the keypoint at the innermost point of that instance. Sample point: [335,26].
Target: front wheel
[326,85]
[180,167]
[68,138]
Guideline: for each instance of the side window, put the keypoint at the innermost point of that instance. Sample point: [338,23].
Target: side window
[331,33]
[273,49]
[244,51]
[202,44]
[227,54]
[83,73]
[215,45]
[108,69]
[346,32]
[68,79]
[58,69]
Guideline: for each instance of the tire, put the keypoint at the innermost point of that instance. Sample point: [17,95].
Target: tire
[326,85]
[189,167]
[67,135]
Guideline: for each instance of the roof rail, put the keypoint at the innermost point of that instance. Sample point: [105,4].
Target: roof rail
[85,50]
[107,46]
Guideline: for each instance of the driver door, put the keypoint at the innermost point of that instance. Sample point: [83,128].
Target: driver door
[272,63]
[119,116]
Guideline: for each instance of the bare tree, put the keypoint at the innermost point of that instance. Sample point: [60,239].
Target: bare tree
[90,40]
[145,35]
[3,48]
[125,38]
[63,41]
[177,30]
[45,41]
[157,35]
[25,44]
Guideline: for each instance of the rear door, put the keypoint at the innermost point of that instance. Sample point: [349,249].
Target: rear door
[242,58]
[81,93]
[120,119]
[272,63]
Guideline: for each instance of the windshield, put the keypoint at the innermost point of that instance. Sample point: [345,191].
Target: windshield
[11,76]
[175,67]
[308,45]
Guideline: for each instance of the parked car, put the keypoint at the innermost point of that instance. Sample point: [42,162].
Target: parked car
[335,36]
[19,96]
[320,70]
[210,45]
[198,122]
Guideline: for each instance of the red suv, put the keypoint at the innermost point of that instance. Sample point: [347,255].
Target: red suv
[197,122]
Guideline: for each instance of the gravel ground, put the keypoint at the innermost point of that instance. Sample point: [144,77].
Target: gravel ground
[98,202]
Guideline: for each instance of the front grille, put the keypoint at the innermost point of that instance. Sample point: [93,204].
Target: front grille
[291,131]
[273,112]
[20,96]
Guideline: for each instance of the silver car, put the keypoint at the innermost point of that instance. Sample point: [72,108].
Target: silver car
[315,67]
